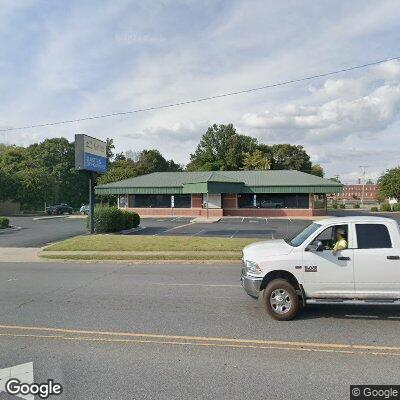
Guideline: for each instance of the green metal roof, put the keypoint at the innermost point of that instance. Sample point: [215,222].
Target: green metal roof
[276,181]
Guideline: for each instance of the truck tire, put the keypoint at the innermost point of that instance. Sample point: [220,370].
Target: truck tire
[280,300]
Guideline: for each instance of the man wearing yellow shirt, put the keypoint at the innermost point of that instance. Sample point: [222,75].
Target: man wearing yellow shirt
[341,242]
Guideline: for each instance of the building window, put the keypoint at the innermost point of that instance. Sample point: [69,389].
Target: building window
[246,200]
[182,201]
[319,201]
[273,201]
[150,200]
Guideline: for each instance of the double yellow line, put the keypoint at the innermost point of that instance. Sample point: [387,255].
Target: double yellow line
[16,331]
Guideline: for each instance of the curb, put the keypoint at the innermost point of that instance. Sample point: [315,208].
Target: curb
[10,229]
[50,217]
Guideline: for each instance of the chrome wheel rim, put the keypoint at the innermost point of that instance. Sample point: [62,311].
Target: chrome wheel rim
[280,301]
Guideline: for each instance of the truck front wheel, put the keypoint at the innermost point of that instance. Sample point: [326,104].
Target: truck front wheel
[280,300]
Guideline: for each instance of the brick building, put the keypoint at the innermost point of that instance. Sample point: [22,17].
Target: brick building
[355,192]
[219,193]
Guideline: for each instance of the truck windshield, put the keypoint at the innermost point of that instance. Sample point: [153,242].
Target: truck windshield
[298,239]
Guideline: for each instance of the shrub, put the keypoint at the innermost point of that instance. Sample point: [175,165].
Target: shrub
[374,209]
[342,205]
[396,207]
[334,205]
[131,219]
[356,206]
[4,222]
[385,207]
[112,219]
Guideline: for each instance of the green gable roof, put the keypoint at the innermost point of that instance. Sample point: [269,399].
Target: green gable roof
[282,181]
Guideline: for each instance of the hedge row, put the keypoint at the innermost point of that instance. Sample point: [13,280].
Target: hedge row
[4,222]
[386,207]
[112,219]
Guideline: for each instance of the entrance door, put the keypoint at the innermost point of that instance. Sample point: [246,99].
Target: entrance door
[327,274]
[214,200]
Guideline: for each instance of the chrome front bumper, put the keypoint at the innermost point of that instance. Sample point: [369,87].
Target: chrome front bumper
[251,284]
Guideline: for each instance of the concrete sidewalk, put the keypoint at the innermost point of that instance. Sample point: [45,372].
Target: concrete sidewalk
[18,254]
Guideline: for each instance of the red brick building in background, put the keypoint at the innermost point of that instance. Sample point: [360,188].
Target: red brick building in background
[355,192]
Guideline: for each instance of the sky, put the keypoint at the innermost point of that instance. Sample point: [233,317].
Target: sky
[66,60]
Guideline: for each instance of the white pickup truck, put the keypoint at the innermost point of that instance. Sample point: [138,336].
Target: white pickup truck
[289,273]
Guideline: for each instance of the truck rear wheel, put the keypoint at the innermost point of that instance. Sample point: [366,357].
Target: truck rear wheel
[280,300]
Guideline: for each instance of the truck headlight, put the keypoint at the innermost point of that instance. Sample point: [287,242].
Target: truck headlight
[252,268]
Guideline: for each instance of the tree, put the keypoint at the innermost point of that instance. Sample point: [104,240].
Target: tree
[221,148]
[287,156]
[389,183]
[118,171]
[152,161]
[7,186]
[317,170]
[257,160]
[109,149]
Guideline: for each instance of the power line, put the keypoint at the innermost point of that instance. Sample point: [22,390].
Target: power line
[202,99]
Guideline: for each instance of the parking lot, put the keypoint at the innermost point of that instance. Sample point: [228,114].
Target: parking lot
[227,227]
[35,232]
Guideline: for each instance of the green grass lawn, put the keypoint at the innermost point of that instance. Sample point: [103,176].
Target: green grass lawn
[151,243]
[228,256]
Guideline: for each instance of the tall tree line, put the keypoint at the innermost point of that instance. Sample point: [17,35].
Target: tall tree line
[45,172]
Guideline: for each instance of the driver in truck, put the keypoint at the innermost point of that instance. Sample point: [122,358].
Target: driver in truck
[341,242]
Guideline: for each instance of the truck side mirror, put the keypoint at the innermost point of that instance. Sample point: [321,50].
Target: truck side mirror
[315,246]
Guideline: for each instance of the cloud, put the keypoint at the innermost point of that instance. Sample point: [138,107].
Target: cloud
[342,115]
[64,62]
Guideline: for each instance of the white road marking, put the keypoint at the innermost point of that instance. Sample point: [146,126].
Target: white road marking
[253,221]
[266,220]
[173,228]
[234,233]
[242,219]
[197,233]
[22,372]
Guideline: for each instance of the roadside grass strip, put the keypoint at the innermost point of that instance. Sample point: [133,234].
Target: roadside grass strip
[137,247]
[228,256]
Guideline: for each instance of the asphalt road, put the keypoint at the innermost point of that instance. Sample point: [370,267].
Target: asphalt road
[109,331]
[37,233]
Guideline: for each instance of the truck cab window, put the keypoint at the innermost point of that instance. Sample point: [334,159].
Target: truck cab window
[328,237]
[373,236]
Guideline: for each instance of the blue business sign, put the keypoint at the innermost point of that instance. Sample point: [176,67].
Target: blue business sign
[90,154]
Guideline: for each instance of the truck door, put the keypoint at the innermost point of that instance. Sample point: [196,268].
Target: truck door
[376,262]
[325,274]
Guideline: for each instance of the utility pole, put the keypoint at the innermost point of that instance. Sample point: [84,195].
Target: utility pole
[91,202]
[336,194]
[363,169]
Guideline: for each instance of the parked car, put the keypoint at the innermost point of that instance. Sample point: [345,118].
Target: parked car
[289,273]
[58,209]
[84,210]
[271,204]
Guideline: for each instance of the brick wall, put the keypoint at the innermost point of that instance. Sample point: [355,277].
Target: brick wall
[229,201]
[229,204]
[197,200]
[270,212]
[177,212]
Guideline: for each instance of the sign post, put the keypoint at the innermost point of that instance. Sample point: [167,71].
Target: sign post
[90,156]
